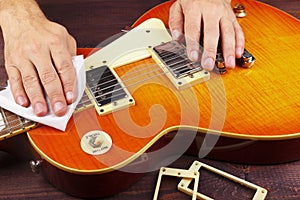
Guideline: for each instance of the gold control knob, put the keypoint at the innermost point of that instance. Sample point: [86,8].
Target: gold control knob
[239,10]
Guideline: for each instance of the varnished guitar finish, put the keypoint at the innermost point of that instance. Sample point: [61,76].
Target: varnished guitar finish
[258,113]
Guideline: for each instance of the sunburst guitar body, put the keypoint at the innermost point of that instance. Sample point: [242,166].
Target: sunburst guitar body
[142,110]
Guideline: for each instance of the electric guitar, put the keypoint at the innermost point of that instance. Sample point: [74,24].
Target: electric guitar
[146,104]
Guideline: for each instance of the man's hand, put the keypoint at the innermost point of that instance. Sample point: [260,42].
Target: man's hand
[217,20]
[38,57]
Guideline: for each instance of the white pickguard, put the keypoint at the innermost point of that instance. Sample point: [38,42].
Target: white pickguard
[135,45]
[131,47]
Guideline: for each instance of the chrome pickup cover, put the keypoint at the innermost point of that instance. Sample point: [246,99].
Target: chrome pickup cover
[173,55]
[172,58]
[106,90]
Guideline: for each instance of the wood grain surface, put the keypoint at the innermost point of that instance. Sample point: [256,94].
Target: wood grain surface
[104,19]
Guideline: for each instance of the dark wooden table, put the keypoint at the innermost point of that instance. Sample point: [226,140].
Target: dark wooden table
[91,22]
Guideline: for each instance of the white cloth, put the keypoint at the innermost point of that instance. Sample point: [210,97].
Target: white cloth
[7,101]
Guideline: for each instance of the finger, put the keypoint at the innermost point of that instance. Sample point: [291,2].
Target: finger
[62,58]
[239,39]
[176,21]
[50,81]
[72,46]
[228,42]
[33,89]
[210,42]
[16,86]
[192,27]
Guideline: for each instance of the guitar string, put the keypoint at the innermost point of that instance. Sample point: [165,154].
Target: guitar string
[99,96]
[138,72]
[122,88]
[13,122]
[12,118]
[4,118]
[13,128]
[10,128]
[130,85]
[20,124]
[163,56]
[176,56]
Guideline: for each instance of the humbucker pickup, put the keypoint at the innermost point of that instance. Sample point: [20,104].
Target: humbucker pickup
[106,90]
[182,72]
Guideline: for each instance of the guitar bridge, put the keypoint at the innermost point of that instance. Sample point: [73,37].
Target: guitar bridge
[107,91]
[183,73]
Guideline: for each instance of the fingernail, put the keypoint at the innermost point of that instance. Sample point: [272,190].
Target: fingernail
[21,101]
[194,55]
[39,109]
[175,34]
[70,97]
[230,62]
[59,108]
[208,63]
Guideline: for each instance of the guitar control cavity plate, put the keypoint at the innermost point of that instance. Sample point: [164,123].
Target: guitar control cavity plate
[96,142]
